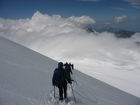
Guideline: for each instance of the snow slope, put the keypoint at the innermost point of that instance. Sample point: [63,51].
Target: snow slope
[25,79]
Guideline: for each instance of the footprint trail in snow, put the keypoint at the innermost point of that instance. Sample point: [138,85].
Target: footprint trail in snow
[55,100]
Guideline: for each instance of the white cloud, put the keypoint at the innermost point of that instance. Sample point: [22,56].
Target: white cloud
[135,3]
[81,21]
[64,39]
[119,19]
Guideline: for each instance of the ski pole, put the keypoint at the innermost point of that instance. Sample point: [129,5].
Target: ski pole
[73,93]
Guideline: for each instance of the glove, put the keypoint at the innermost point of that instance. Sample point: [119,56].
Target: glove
[53,84]
[70,82]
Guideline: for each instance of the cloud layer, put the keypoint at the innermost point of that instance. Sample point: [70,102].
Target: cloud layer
[65,39]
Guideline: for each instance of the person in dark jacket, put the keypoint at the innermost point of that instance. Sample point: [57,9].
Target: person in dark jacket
[68,67]
[68,70]
[72,66]
[61,80]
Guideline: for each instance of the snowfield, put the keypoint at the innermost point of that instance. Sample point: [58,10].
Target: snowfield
[25,79]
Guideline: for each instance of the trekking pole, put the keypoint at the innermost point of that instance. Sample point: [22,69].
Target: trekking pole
[75,81]
[73,93]
[54,91]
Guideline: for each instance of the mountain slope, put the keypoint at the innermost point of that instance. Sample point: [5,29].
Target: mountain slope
[23,73]
[25,79]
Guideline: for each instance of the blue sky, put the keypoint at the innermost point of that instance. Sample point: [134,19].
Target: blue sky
[100,10]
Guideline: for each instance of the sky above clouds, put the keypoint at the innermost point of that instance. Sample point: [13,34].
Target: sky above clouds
[100,10]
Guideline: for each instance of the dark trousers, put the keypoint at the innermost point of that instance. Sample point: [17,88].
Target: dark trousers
[63,90]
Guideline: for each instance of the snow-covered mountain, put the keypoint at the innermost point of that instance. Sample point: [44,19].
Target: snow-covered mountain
[119,33]
[25,79]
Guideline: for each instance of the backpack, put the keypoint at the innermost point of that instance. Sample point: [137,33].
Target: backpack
[59,78]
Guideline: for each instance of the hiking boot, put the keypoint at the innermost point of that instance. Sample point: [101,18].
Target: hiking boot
[61,99]
[66,100]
